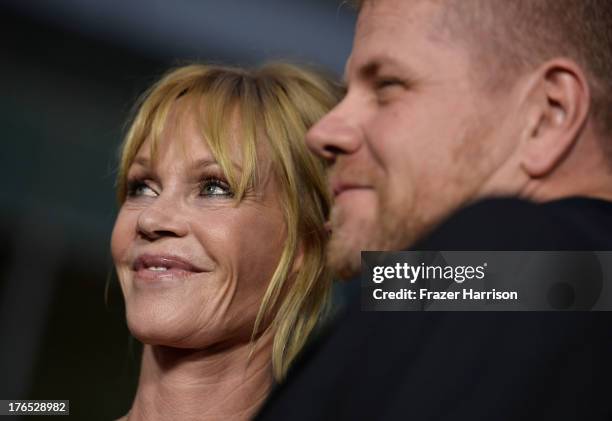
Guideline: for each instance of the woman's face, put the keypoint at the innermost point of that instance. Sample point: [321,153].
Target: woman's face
[192,265]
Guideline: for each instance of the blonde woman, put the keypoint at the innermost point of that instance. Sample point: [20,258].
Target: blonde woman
[219,244]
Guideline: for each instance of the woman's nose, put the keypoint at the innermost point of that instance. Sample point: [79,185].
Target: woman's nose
[163,218]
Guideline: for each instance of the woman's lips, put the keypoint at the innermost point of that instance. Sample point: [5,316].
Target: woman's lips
[153,267]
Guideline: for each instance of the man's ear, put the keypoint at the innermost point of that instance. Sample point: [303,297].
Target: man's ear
[559,107]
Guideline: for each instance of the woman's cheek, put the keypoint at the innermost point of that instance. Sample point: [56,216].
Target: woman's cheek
[122,236]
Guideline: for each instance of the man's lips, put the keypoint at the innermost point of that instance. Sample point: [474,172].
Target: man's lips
[339,187]
[157,266]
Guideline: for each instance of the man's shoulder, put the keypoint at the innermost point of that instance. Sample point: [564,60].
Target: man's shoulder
[391,365]
[514,224]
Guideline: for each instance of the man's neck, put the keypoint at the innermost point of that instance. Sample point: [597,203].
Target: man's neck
[597,186]
[203,385]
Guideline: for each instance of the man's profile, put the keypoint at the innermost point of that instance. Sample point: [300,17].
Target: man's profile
[451,101]
[467,125]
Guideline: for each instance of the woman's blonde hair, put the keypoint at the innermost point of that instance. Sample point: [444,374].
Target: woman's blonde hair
[276,103]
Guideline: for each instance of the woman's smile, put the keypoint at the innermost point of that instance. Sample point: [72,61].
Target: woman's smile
[157,269]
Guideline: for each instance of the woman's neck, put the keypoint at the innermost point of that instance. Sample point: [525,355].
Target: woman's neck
[182,384]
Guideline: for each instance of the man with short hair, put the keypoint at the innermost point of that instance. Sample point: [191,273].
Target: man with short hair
[467,125]
[452,101]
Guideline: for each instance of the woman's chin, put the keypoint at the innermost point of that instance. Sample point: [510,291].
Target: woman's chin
[158,328]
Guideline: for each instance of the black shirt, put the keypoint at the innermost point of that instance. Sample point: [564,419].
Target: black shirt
[467,365]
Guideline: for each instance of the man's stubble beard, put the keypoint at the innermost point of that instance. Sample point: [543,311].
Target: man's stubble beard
[401,220]
[385,231]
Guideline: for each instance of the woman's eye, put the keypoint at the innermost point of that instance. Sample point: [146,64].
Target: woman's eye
[140,188]
[215,187]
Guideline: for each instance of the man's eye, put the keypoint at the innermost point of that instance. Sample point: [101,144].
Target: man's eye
[215,187]
[388,83]
[387,89]
[139,188]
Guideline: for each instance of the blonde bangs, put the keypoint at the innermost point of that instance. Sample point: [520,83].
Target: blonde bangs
[223,103]
[214,94]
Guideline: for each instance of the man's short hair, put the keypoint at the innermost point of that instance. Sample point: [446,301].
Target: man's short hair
[522,34]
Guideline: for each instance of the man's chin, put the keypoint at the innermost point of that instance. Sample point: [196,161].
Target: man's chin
[344,251]
[350,234]
[343,258]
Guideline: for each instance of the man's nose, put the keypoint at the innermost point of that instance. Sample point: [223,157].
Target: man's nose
[162,218]
[335,134]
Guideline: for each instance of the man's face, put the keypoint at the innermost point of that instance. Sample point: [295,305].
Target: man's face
[412,140]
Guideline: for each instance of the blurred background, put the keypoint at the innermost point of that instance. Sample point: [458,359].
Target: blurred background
[70,71]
